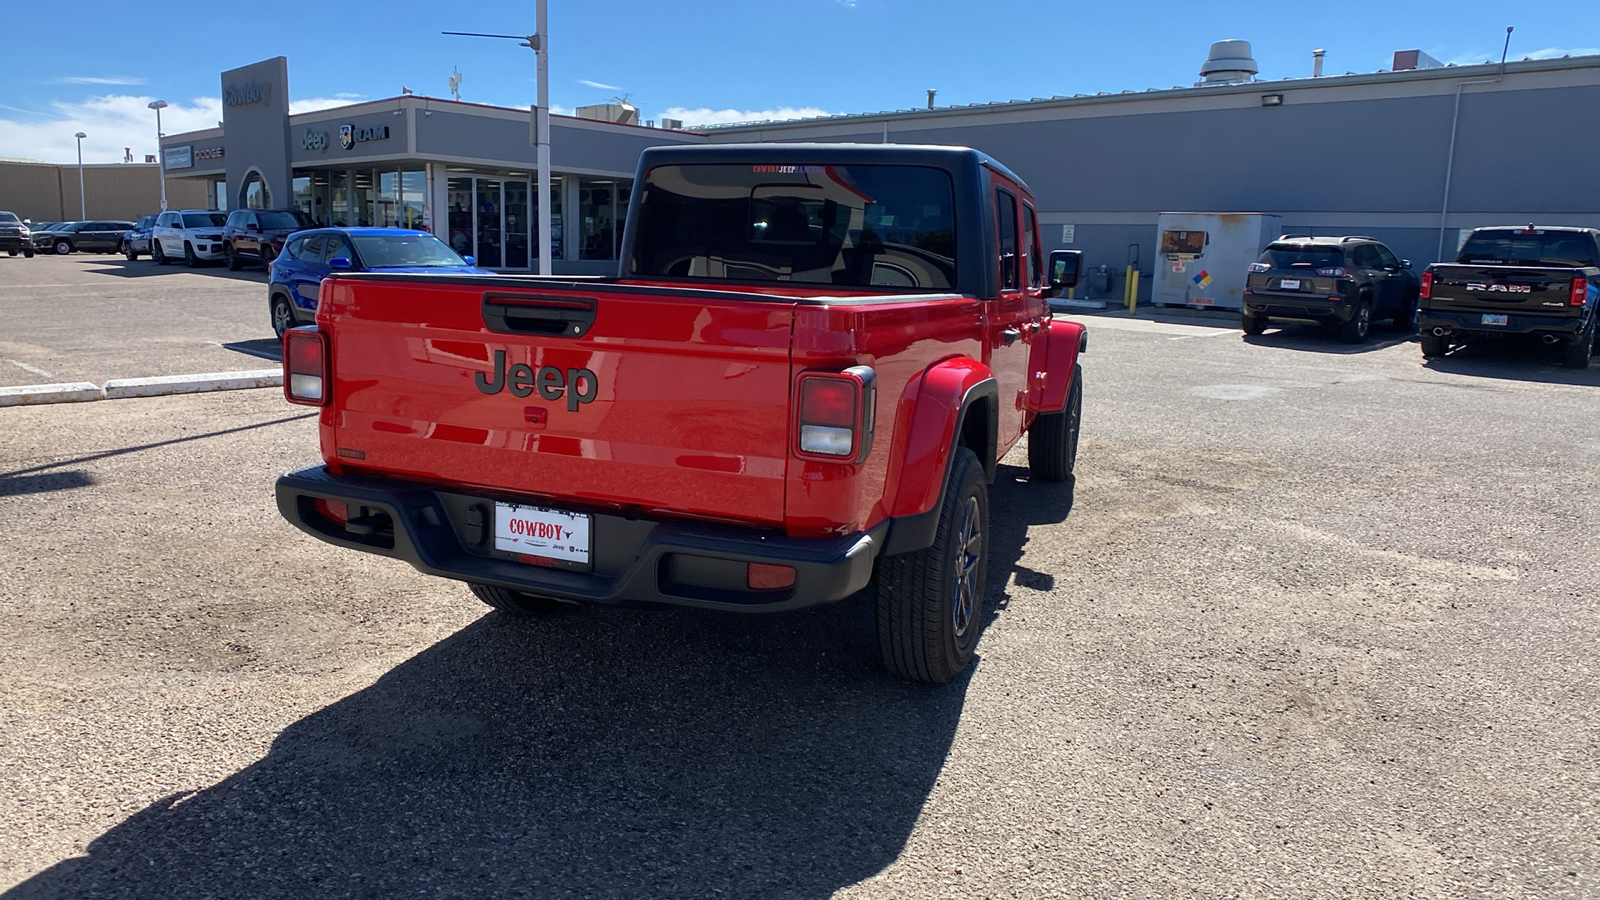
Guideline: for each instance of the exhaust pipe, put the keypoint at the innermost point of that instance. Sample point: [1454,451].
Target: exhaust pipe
[1438,332]
[1550,339]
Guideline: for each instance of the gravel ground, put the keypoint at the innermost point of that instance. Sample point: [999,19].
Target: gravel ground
[1314,622]
[142,319]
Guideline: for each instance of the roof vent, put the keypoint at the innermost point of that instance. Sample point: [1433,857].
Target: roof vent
[1230,62]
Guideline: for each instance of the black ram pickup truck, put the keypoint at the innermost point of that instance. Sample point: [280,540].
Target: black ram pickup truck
[1534,280]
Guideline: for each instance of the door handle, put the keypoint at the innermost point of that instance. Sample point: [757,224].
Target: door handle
[1010,336]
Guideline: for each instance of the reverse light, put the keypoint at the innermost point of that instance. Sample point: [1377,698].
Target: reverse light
[1259,267]
[834,414]
[1427,286]
[305,367]
[1332,271]
[1580,290]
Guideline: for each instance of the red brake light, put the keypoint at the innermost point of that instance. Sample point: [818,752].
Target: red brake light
[1427,286]
[1580,290]
[1331,271]
[305,367]
[834,414]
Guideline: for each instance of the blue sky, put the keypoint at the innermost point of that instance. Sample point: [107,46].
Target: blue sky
[703,60]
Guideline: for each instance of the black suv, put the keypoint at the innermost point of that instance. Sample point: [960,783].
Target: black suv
[257,235]
[1343,282]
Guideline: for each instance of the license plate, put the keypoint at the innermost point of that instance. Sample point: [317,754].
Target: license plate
[548,534]
[1290,284]
[1492,319]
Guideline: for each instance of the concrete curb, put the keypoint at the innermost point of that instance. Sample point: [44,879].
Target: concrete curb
[161,385]
[124,388]
[65,392]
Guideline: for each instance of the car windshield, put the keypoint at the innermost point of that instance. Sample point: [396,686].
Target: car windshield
[282,220]
[145,222]
[204,220]
[856,226]
[393,251]
[9,219]
[1302,256]
[1528,247]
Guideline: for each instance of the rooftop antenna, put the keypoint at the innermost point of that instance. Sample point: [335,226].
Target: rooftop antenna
[539,43]
[1504,50]
[455,84]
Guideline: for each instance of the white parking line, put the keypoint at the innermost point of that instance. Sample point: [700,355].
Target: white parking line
[27,368]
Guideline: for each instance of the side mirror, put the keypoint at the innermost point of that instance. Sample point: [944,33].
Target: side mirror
[1405,263]
[1064,268]
[470,260]
[339,262]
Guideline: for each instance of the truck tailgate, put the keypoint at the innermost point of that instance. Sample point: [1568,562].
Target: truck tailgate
[1503,289]
[647,399]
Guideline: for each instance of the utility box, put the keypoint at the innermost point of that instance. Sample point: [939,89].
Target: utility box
[1202,258]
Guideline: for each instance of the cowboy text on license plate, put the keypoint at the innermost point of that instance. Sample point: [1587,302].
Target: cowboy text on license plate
[535,531]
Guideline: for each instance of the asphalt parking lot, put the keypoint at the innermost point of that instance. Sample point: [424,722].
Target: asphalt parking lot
[1314,621]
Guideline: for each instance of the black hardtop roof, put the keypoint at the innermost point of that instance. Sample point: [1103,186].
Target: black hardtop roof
[948,157]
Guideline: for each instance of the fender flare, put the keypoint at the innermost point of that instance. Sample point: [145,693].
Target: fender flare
[952,399]
[1066,341]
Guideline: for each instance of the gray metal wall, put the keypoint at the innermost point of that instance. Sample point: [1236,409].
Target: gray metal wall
[47,192]
[573,147]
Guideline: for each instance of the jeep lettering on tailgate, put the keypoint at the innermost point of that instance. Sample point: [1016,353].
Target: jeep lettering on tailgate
[579,385]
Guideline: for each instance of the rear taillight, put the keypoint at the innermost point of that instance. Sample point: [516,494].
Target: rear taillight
[1580,290]
[305,366]
[834,414]
[1332,271]
[1427,286]
[1259,267]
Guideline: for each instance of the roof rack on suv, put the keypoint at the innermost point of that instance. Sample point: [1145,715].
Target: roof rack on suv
[1290,237]
[1356,237]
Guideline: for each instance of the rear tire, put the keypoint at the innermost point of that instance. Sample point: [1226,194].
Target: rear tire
[282,316]
[1356,330]
[1435,345]
[515,603]
[1053,437]
[1579,350]
[930,602]
[233,258]
[1252,325]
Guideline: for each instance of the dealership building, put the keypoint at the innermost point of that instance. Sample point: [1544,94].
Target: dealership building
[1413,156]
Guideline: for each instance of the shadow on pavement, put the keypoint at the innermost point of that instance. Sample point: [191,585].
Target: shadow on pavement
[1314,338]
[265,348]
[145,268]
[136,448]
[1514,358]
[595,753]
[17,485]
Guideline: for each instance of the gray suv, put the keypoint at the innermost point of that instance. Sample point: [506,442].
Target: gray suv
[14,235]
[1345,283]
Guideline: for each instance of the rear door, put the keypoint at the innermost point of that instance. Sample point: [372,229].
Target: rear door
[305,276]
[649,399]
[1008,312]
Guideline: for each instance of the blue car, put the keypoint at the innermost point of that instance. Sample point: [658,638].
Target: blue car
[295,276]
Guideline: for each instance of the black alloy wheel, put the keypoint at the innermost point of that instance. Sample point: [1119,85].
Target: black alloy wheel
[231,257]
[1356,330]
[282,316]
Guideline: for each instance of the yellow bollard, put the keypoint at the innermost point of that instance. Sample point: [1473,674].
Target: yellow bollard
[1130,290]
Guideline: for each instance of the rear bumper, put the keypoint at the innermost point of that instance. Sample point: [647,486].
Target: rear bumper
[1456,322]
[1316,308]
[634,561]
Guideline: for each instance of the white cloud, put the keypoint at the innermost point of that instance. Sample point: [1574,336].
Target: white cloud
[596,84]
[112,122]
[350,96]
[706,116]
[848,3]
[97,79]
[1557,52]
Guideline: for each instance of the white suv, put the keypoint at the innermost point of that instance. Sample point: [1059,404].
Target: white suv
[192,235]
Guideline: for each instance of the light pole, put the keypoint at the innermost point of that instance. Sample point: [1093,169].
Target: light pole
[161,163]
[539,43]
[83,202]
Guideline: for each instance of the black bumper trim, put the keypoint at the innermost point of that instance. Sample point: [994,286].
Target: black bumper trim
[826,569]
[1472,322]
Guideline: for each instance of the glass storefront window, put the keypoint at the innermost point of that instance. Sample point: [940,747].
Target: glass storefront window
[362,198]
[339,212]
[219,196]
[413,198]
[598,216]
[490,207]
[254,194]
[459,197]
[387,200]
[517,221]
[300,194]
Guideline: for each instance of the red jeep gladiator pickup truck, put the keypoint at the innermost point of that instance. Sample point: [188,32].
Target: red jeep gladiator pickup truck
[797,387]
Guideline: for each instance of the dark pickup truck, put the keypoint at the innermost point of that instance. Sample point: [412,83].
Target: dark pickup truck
[1533,280]
[798,387]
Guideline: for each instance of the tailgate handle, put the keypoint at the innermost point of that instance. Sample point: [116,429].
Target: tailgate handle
[569,317]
